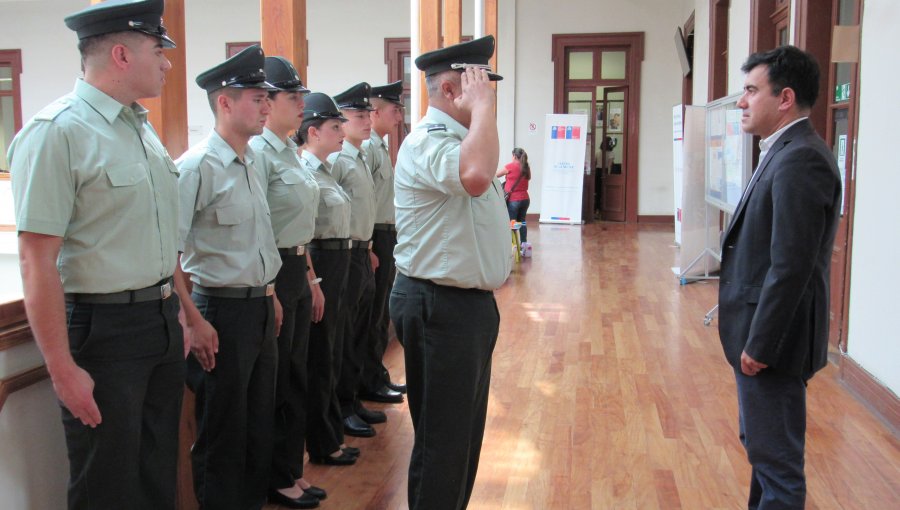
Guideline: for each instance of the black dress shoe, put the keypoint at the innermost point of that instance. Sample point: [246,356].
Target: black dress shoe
[351,450]
[369,416]
[384,395]
[305,500]
[399,388]
[316,492]
[355,426]
[344,459]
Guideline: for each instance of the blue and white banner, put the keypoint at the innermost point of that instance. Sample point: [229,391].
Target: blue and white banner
[564,166]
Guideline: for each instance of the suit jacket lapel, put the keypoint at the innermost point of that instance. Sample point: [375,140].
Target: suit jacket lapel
[783,141]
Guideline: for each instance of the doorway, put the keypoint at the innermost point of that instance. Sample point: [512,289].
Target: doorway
[598,75]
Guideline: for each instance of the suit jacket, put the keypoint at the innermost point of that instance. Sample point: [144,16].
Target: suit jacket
[776,255]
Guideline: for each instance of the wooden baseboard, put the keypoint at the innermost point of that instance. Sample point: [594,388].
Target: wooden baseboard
[670,219]
[878,397]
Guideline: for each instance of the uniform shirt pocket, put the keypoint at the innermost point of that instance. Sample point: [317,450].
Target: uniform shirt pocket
[331,197]
[126,175]
[234,214]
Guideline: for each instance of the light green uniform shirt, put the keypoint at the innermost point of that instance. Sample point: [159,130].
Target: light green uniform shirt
[378,157]
[350,171]
[292,192]
[225,229]
[92,171]
[444,234]
[333,218]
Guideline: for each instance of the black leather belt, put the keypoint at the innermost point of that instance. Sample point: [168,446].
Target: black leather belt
[236,292]
[330,244]
[293,251]
[386,227]
[361,245]
[162,290]
[433,284]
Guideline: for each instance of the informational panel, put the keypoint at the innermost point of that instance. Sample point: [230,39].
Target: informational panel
[563,171]
[728,154]
[700,220]
[678,164]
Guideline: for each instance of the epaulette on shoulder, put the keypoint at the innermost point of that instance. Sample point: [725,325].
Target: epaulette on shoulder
[191,160]
[52,110]
[436,127]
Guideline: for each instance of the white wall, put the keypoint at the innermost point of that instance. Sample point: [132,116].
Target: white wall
[50,60]
[660,90]
[872,340]
[738,43]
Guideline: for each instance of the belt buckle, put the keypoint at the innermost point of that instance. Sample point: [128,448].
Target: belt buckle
[370,244]
[301,250]
[165,290]
[349,244]
[270,289]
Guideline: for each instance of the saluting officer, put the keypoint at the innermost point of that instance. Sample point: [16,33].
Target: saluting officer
[293,195]
[452,252]
[321,134]
[351,172]
[96,204]
[387,115]
[231,257]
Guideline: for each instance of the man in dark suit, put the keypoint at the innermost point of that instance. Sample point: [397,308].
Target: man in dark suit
[773,293]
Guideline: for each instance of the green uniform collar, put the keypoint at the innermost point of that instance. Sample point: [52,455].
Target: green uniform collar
[105,105]
[277,143]
[224,151]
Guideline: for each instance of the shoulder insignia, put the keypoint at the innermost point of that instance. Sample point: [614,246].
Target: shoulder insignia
[52,110]
[190,160]
[436,127]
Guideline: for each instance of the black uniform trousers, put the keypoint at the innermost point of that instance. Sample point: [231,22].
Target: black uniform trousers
[772,414]
[360,291]
[235,404]
[375,375]
[292,288]
[135,355]
[325,430]
[448,337]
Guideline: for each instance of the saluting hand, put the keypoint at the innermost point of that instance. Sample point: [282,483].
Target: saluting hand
[75,389]
[477,93]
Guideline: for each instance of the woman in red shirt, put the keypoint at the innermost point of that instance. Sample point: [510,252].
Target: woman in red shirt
[518,173]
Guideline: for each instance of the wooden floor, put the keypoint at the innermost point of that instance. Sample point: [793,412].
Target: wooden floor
[608,392]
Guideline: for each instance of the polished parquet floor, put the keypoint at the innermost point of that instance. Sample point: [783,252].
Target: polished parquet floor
[608,392]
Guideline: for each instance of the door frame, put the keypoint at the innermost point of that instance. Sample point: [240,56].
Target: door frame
[633,43]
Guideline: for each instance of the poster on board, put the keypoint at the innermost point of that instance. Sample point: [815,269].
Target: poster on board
[565,139]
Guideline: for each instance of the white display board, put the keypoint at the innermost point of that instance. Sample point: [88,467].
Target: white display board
[565,140]
[678,164]
[729,153]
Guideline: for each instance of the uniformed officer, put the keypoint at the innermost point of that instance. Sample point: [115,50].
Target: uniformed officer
[321,134]
[293,195]
[387,115]
[229,252]
[351,172]
[96,208]
[452,252]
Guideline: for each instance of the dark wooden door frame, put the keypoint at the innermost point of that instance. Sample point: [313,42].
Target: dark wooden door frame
[633,43]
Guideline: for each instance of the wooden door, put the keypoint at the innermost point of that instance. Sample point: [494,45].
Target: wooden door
[614,145]
[582,100]
[841,96]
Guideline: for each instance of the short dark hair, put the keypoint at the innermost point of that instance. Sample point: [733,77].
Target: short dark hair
[213,97]
[789,67]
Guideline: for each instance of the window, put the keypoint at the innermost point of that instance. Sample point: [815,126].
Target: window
[10,103]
